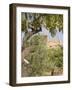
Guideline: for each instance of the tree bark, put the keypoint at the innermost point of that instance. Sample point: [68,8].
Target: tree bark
[52,72]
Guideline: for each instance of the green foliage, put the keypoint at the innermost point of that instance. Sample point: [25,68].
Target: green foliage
[23,25]
[24,22]
[43,59]
[38,39]
[37,55]
[55,57]
[52,21]
[36,24]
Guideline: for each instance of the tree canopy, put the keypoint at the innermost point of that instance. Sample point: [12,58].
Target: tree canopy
[52,22]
